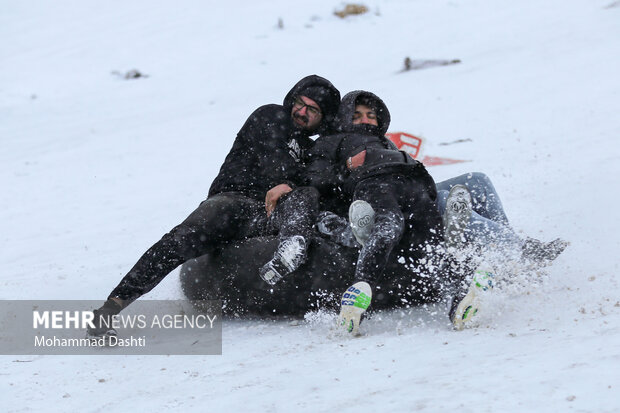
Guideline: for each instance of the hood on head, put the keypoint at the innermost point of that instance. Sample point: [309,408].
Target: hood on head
[322,92]
[344,120]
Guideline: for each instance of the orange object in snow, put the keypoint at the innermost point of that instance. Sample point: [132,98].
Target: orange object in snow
[413,146]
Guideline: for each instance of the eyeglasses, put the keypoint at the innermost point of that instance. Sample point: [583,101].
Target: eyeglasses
[312,110]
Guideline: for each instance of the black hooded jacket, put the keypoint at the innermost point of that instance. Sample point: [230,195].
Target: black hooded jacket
[270,149]
[327,169]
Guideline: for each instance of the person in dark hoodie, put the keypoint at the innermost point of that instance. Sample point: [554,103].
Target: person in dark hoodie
[474,218]
[253,193]
[360,164]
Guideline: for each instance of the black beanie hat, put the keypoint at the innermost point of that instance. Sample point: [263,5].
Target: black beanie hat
[324,97]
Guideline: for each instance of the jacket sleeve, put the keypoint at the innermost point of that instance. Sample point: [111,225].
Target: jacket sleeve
[266,138]
[376,156]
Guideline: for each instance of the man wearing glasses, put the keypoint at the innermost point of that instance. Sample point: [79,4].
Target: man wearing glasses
[264,164]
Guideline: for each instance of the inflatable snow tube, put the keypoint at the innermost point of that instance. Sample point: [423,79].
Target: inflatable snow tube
[230,274]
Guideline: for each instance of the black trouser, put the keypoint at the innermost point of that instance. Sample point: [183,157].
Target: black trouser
[406,219]
[223,217]
[295,213]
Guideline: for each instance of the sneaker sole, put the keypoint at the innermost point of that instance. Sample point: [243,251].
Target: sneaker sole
[354,303]
[467,309]
[289,256]
[457,216]
[362,219]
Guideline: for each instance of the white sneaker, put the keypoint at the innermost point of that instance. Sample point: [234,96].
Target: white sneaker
[291,253]
[466,303]
[362,219]
[457,215]
[355,302]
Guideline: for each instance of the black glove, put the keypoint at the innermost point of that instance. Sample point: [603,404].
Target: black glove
[336,229]
[540,251]
[103,319]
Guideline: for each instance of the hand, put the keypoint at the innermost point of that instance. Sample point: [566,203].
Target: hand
[356,160]
[271,199]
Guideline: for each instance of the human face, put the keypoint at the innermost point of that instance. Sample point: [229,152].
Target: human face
[306,113]
[364,115]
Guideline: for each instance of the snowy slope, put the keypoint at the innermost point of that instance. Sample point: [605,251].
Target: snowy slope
[94,169]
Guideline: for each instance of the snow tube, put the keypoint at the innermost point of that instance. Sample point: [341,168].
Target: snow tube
[230,274]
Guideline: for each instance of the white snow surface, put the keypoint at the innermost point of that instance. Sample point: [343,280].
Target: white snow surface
[94,169]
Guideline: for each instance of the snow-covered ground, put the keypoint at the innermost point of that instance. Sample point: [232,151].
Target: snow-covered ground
[95,168]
